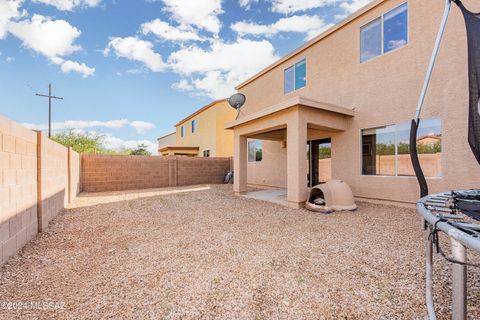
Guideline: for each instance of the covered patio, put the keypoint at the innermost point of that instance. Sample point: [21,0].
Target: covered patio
[292,123]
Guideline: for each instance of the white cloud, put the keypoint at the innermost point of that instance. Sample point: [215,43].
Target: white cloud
[142,126]
[80,124]
[217,85]
[200,13]
[291,6]
[246,3]
[135,49]
[354,5]
[311,25]
[165,31]
[246,55]
[183,85]
[9,9]
[139,126]
[69,66]
[113,143]
[395,44]
[52,38]
[69,5]
[219,68]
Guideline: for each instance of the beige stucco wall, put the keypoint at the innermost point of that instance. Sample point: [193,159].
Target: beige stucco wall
[224,137]
[384,91]
[211,133]
[271,171]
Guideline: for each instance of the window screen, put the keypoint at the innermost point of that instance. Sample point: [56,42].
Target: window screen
[371,40]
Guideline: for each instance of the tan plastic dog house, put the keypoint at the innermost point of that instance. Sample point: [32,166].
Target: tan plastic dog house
[335,195]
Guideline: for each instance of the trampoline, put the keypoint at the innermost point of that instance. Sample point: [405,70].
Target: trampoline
[455,213]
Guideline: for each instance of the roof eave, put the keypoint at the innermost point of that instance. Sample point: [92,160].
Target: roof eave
[312,42]
[199,111]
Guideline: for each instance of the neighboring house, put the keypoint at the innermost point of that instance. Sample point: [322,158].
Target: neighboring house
[167,140]
[203,133]
[429,140]
[348,96]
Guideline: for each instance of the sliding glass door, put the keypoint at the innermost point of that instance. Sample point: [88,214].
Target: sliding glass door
[319,155]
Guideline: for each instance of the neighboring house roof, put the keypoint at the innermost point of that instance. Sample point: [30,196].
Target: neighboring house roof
[208,106]
[429,138]
[312,42]
[167,135]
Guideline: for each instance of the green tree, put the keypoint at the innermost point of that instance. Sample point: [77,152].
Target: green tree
[140,150]
[87,143]
[325,152]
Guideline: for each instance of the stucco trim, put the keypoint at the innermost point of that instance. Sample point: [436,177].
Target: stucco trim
[312,42]
[179,148]
[295,101]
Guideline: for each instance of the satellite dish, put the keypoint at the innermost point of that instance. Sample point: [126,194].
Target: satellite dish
[237,100]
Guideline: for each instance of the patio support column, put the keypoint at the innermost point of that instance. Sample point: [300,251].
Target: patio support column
[296,160]
[240,164]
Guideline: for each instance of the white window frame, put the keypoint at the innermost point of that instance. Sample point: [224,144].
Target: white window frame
[382,17]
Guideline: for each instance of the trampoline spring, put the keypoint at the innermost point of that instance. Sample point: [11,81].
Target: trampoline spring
[450,216]
[439,209]
[438,204]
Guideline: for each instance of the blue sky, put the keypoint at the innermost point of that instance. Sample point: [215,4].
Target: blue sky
[131,69]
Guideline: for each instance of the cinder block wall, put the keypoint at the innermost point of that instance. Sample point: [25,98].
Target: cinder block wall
[191,171]
[74,175]
[34,184]
[18,187]
[54,180]
[114,173]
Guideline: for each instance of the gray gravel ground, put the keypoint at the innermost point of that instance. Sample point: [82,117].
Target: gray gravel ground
[208,254]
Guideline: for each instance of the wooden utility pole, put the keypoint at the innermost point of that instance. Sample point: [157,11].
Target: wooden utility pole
[50,97]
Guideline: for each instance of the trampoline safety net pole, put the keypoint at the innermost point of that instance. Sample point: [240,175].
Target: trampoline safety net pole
[433,59]
[414,155]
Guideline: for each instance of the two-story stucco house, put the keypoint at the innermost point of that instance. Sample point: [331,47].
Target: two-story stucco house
[343,103]
[202,134]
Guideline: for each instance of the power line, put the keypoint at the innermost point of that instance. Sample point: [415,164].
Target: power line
[50,97]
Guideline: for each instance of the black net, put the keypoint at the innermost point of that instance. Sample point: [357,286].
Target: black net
[472,21]
[468,202]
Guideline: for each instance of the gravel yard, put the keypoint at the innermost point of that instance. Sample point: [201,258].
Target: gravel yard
[203,253]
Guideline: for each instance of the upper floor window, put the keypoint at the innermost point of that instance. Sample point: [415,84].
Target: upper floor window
[295,77]
[384,34]
[194,126]
[206,153]
[386,150]
[255,151]
[182,131]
